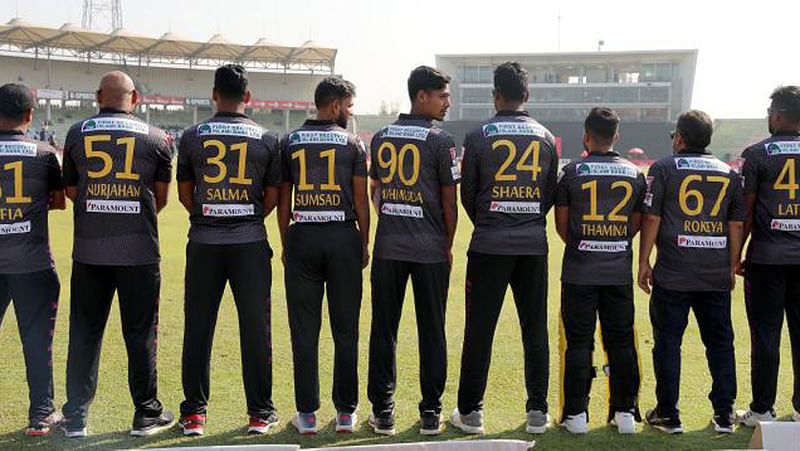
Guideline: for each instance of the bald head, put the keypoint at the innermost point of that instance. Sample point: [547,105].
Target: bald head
[117,91]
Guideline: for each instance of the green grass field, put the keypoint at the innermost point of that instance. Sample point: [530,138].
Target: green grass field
[112,412]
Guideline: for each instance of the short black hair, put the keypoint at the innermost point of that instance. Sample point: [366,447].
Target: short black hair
[15,101]
[787,99]
[511,81]
[426,78]
[230,81]
[332,89]
[602,123]
[696,128]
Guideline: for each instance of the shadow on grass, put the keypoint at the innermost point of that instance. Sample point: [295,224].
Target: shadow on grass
[558,438]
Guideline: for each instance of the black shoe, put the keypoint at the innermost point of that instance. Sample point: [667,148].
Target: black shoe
[723,423]
[431,423]
[144,426]
[383,424]
[670,425]
[73,428]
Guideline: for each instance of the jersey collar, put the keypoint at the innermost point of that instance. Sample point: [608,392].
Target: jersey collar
[693,150]
[797,133]
[609,153]
[319,122]
[229,114]
[415,117]
[107,110]
[512,113]
[11,132]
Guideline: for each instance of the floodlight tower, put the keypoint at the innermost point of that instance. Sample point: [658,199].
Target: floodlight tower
[102,15]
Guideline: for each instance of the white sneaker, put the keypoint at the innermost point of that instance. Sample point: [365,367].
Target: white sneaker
[471,423]
[625,422]
[576,424]
[796,416]
[751,419]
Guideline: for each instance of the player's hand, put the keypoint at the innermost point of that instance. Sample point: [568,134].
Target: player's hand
[739,268]
[364,257]
[733,279]
[450,258]
[645,279]
[283,256]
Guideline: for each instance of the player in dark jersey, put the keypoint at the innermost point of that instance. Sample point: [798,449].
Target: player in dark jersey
[598,212]
[30,185]
[772,269]
[117,171]
[694,213]
[325,193]
[229,176]
[413,174]
[510,167]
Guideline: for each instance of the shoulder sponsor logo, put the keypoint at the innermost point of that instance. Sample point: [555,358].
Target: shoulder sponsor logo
[785,225]
[317,137]
[228,210]
[230,129]
[17,149]
[603,246]
[408,211]
[318,216]
[648,199]
[125,207]
[522,208]
[406,132]
[113,124]
[606,169]
[455,171]
[783,148]
[15,228]
[514,129]
[703,242]
[701,164]
[649,180]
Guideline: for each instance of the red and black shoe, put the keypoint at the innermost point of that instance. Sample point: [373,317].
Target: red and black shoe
[43,426]
[261,424]
[192,425]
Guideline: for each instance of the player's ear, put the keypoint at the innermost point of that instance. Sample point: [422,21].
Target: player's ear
[616,137]
[28,118]
[214,95]
[246,97]
[134,98]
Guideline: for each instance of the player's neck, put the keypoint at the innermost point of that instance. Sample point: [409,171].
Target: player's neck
[510,107]
[600,150]
[416,111]
[8,126]
[224,107]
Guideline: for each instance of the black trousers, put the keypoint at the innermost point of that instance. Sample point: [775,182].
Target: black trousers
[35,297]
[208,268]
[771,290]
[488,276]
[91,292]
[669,314]
[580,307]
[430,281]
[320,256]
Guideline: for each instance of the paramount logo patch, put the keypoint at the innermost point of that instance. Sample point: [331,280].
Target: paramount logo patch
[524,208]
[406,132]
[16,228]
[17,149]
[514,129]
[783,148]
[785,225]
[703,242]
[701,164]
[318,216]
[115,124]
[228,210]
[317,137]
[606,169]
[125,207]
[603,246]
[230,129]
[408,211]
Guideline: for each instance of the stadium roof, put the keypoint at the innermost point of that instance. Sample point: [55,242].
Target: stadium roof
[71,41]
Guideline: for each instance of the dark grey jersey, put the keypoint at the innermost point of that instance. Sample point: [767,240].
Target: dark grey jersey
[770,173]
[696,195]
[411,160]
[602,191]
[320,160]
[509,175]
[29,171]
[114,160]
[231,161]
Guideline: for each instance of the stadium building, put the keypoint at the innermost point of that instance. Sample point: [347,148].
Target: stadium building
[648,89]
[174,75]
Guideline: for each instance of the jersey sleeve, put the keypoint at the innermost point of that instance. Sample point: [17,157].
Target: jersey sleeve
[654,199]
[286,160]
[272,175]
[164,155]
[562,188]
[185,169]
[750,171]
[360,161]
[70,169]
[640,188]
[737,212]
[55,181]
[373,151]
[469,178]
[449,172]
